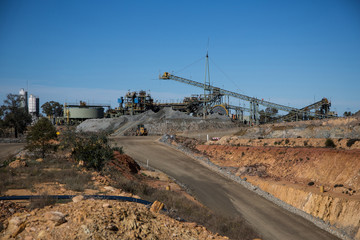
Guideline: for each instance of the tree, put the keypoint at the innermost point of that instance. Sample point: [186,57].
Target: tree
[40,135]
[268,114]
[347,114]
[271,111]
[15,116]
[52,109]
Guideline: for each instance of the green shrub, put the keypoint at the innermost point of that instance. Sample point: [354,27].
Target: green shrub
[67,138]
[329,143]
[287,141]
[94,150]
[350,142]
[118,149]
[40,135]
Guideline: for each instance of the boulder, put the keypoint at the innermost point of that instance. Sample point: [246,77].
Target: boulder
[156,207]
[57,217]
[78,198]
[17,164]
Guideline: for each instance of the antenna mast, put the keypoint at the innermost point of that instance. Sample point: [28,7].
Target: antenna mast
[207,88]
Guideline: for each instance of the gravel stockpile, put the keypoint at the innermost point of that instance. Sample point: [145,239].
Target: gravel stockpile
[225,172]
[162,122]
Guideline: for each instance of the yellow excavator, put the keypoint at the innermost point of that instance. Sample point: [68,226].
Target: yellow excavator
[141,130]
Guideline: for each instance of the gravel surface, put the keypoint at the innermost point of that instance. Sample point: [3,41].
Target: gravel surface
[223,171]
[164,121]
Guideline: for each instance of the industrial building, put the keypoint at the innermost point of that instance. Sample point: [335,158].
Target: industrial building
[31,104]
[24,99]
[34,106]
[75,113]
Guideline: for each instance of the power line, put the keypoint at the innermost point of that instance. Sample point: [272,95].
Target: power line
[187,66]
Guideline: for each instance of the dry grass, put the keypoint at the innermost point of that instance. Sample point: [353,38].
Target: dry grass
[53,169]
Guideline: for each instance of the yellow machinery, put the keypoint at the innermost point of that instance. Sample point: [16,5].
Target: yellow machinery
[141,130]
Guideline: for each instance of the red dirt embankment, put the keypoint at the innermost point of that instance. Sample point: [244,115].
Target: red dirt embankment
[322,166]
[294,175]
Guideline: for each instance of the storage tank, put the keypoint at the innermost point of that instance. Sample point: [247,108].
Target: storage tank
[24,98]
[34,105]
[85,112]
[79,113]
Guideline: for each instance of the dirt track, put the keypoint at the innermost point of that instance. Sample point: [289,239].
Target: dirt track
[7,149]
[221,194]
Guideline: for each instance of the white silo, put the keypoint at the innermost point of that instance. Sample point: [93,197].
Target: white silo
[34,108]
[24,98]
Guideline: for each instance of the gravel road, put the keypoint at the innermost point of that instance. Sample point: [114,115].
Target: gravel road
[221,194]
[7,149]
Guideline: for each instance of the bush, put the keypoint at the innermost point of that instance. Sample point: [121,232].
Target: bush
[329,143]
[40,136]
[41,202]
[118,149]
[67,138]
[350,142]
[93,150]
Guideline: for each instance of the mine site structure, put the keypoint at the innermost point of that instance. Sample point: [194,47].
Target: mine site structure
[214,96]
[134,103]
[77,113]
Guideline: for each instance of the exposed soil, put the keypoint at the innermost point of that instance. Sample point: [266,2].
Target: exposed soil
[335,169]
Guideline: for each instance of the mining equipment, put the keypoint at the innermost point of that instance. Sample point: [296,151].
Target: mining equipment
[133,103]
[212,101]
[141,130]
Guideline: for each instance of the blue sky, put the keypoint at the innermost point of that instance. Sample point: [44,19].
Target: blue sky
[288,52]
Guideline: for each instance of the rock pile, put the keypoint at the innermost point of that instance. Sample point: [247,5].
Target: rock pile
[164,121]
[99,219]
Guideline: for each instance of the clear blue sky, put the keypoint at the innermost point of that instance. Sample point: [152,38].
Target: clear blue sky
[288,52]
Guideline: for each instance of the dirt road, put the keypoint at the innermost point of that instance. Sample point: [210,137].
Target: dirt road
[221,194]
[7,149]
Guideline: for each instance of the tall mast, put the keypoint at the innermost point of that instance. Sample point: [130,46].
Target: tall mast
[207,89]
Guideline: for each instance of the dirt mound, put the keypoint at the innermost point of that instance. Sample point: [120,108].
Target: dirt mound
[348,144]
[166,121]
[330,128]
[100,219]
[124,164]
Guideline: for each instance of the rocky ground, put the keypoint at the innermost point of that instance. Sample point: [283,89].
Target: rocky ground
[100,219]
[86,219]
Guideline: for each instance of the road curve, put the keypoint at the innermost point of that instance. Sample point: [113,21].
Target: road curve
[221,194]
